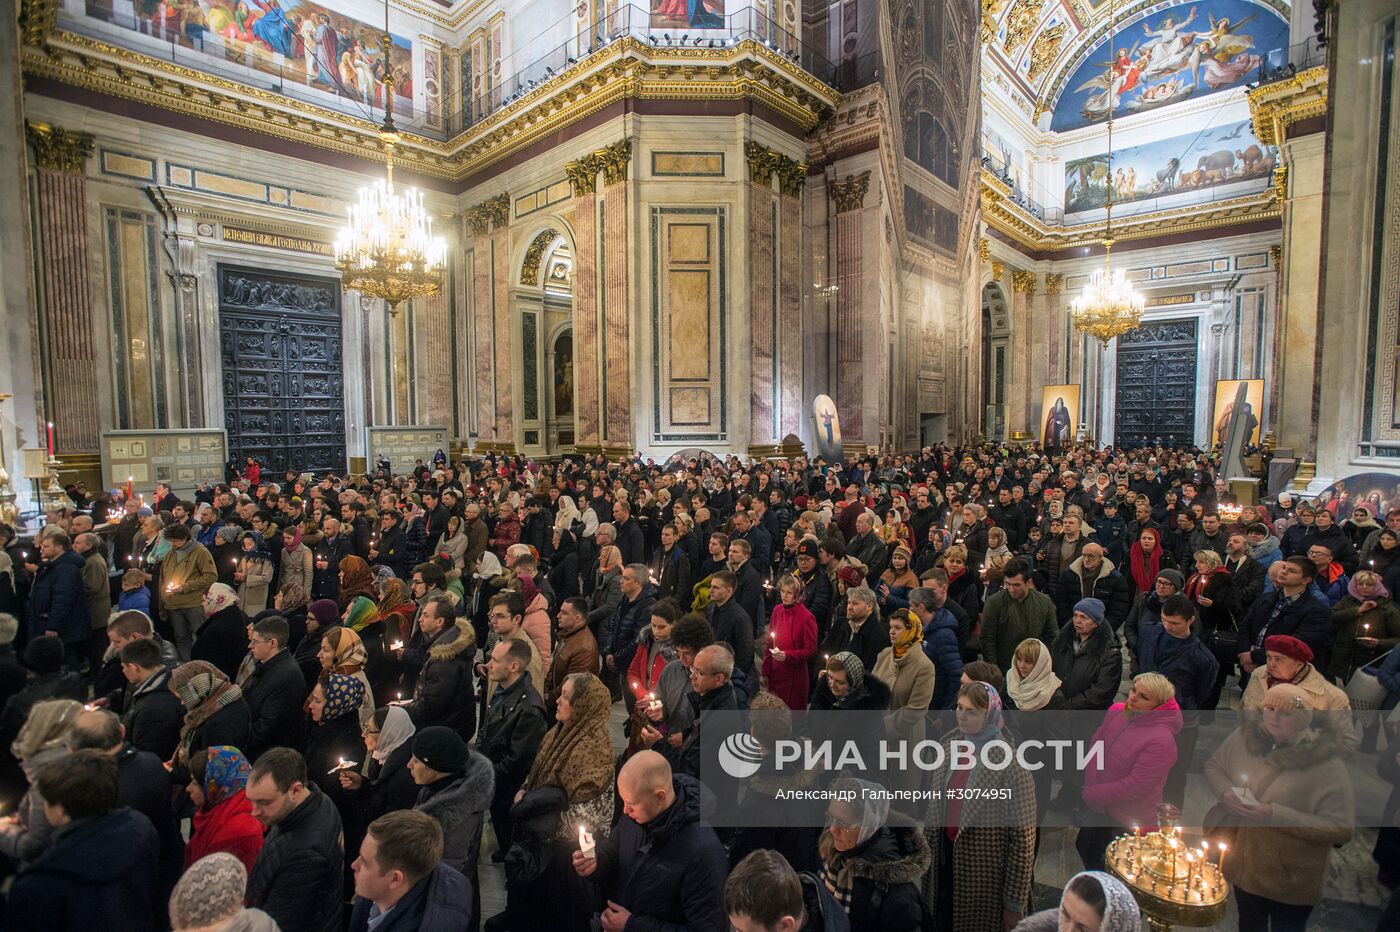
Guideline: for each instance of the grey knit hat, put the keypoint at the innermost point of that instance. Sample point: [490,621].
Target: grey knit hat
[855,669]
[1174,577]
[210,892]
[1094,608]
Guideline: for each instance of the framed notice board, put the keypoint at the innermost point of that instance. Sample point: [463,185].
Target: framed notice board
[183,458]
[403,445]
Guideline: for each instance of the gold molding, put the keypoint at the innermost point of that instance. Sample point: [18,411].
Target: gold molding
[37,19]
[1054,282]
[534,256]
[1276,255]
[614,160]
[1274,107]
[583,175]
[1281,184]
[792,176]
[984,249]
[59,149]
[1023,282]
[998,270]
[491,214]
[625,69]
[849,192]
[762,162]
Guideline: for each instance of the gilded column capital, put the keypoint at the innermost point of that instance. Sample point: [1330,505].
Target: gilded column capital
[59,149]
[998,268]
[583,175]
[1054,282]
[792,176]
[37,19]
[613,160]
[849,192]
[762,160]
[497,210]
[1276,255]
[1023,282]
[984,249]
[477,221]
[1281,184]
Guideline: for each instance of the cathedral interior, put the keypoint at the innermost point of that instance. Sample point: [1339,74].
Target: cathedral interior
[674,226]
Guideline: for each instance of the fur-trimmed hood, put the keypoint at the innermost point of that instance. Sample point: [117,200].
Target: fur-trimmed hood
[465,796]
[446,646]
[1319,744]
[897,854]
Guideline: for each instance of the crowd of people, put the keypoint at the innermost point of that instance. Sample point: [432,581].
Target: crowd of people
[324,702]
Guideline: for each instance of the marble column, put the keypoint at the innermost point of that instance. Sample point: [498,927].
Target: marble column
[792,177]
[616,336]
[1300,274]
[69,348]
[848,194]
[491,324]
[583,176]
[762,250]
[1027,307]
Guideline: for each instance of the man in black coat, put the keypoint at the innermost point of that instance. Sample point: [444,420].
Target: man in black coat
[1007,516]
[276,690]
[731,623]
[630,539]
[817,591]
[326,556]
[100,872]
[749,592]
[759,540]
[1289,609]
[57,600]
[391,549]
[443,693]
[399,872]
[1246,573]
[299,876]
[515,724]
[1093,576]
[435,515]
[660,840]
[152,714]
[618,640]
[867,547]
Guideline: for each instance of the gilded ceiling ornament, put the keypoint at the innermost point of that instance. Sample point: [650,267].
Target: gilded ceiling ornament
[991,9]
[984,249]
[60,149]
[1044,51]
[1020,23]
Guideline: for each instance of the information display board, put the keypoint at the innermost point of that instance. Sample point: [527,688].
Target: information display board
[405,444]
[183,458]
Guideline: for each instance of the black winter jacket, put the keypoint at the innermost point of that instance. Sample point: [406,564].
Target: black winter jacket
[153,716]
[440,902]
[640,867]
[511,733]
[733,625]
[1307,619]
[223,641]
[58,601]
[888,870]
[443,693]
[300,873]
[1089,678]
[459,805]
[274,694]
[1109,587]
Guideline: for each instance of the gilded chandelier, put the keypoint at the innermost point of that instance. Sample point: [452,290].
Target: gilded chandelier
[1108,306]
[388,249]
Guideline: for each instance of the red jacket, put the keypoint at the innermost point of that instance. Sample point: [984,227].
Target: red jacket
[228,826]
[793,630]
[1137,756]
[637,671]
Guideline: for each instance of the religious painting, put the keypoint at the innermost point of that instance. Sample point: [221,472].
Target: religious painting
[564,375]
[1377,491]
[1225,391]
[826,427]
[687,14]
[1060,407]
[1170,55]
[1220,155]
[296,41]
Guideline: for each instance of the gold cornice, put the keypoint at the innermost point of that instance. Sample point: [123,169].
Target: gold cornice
[1275,107]
[1008,218]
[59,149]
[624,69]
[37,19]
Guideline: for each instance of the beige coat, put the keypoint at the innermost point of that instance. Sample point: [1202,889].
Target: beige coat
[910,680]
[252,591]
[1313,809]
[1324,697]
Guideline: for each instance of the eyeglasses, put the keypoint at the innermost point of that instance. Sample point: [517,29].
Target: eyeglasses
[836,822]
[259,640]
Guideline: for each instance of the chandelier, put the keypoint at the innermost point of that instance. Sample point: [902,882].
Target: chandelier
[1108,306]
[388,249]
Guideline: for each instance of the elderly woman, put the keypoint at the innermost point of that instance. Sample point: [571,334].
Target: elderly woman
[384,783]
[1285,801]
[981,830]
[1145,617]
[252,573]
[872,867]
[215,712]
[1092,901]
[453,542]
[1126,787]
[1211,590]
[342,651]
[223,638]
[40,742]
[1086,658]
[1368,625]
[333,739]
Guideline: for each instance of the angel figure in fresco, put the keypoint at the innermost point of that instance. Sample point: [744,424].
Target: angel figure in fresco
[1109,85]
[1168,47]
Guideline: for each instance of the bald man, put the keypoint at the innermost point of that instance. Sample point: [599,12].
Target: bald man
[660,840]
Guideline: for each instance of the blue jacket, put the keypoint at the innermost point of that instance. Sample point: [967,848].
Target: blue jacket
[440,902]
[137,600]
[58,601]
[1389,675]
[941,646]
[1188,663]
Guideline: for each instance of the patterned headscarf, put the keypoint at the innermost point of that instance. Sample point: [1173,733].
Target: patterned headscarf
[203,690]
[347,649]
[392,594]
[991,727]
[1120,910]
[224,775]
[855,669]
[381,575]
[913,633]
[293,595]
[219,597]
[362,612]
[355,580]
[577,755]
[344,695]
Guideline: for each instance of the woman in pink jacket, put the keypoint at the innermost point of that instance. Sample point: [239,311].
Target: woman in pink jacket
[1125,788]
[537,621]
[792,641]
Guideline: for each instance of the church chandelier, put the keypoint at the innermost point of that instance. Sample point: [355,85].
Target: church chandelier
[1108,306]
[388,250]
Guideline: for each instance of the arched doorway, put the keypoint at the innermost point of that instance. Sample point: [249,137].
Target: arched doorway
[544,314]
[996,359]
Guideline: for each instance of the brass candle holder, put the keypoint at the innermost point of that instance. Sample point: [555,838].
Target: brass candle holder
[1174,883]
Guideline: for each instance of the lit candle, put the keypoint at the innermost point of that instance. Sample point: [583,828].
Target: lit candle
[585,843]
[1222,860]
[130,490]
[397,645]
[343,765]
[50,439]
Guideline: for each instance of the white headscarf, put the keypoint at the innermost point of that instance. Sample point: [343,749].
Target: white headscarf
[567,514]
[1120,910]
[398,728]
[1032,692]
[874,807]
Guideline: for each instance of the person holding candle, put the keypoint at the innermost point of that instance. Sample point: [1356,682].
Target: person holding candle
[223,817]
[26,832]
[792,643]
[252,573]
[643,677]
[1291,760]
[333,733]
[1368,625]
[186,573]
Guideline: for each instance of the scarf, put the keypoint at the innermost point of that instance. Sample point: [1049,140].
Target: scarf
[1120,911]
[836,871]
[1381,592]
[1144,568]
[347,649]
[344,695]
[1261,550]
[1271,681]
[1033,691]
[392,594]
[203,690]
[398,729]
[577,755]
[362,612]
[225,774]
[913,633]
[1196,585]
[992,726]
[355,580]
[217,598]
[296,537]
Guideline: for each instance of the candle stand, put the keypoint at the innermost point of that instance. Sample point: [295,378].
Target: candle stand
[1174,884]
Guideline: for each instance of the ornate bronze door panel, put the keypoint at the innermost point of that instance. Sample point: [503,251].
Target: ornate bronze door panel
[279,339]
[1157,384]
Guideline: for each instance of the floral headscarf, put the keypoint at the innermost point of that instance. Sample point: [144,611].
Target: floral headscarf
[347,649]
[344,695]
[392,594]
[293,595]
[355,580]
[218,597]
[991,727]
[225,773]
[576,755]
[913,633]
[362,612]
[382,574]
